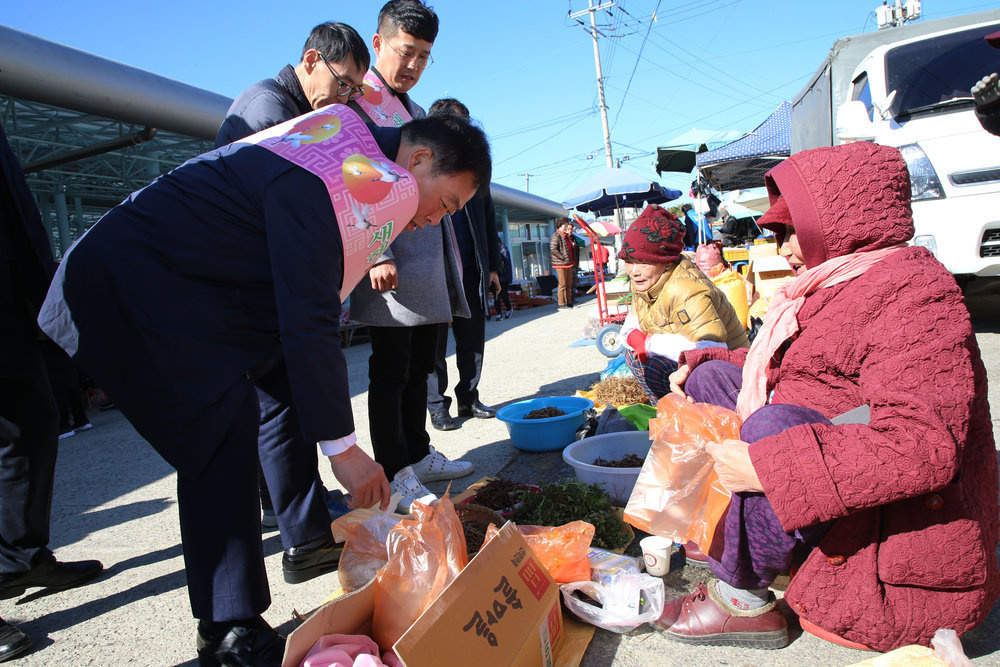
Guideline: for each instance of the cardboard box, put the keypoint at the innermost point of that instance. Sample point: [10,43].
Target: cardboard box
[767,274]
[503,609]
[758,251]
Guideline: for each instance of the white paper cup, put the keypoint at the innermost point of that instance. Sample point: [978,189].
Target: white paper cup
[656,554]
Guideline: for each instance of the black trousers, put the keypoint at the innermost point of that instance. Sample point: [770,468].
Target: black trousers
[289,464]
[470,341]
[501,296]
[401,359]
[27,468]
[220,522]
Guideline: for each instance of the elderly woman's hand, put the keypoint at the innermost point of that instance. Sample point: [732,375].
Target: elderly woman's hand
[677,380]
[733,465]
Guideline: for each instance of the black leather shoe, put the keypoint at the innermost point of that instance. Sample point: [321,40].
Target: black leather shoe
[13,642]
[442,421]
[50,574]
[477,410]
[302,564]
[241,645]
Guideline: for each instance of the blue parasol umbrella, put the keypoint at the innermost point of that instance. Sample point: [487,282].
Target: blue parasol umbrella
[617,188]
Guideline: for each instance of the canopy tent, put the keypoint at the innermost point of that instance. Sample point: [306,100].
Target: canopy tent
[615,188]
[679,153]
[743,163]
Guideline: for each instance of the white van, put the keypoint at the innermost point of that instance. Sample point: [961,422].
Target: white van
[914,95]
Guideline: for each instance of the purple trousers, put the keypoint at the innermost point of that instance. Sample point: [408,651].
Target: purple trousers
[756,548]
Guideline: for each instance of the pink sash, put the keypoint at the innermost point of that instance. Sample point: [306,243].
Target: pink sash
[382,106]
[374,198]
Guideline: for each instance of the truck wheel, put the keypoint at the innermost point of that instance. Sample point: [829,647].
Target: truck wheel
[609,342]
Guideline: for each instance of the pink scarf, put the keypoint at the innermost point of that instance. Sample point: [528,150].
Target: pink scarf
[781,321]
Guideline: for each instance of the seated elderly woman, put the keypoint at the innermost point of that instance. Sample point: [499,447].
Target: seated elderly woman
[675,307]
[895,511]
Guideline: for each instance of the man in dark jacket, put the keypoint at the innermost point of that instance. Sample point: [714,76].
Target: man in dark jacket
[476,237]
[28,416]
[334,60]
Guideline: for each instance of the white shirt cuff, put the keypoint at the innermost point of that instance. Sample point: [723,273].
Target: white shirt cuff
[338,446]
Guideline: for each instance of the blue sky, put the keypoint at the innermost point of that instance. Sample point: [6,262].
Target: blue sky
[524,69]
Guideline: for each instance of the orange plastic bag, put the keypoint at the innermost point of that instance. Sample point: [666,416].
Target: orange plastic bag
[562,550]
[425,555]
[678,495]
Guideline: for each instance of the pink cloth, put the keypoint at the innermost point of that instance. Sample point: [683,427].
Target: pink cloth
[348,651]
[781,321]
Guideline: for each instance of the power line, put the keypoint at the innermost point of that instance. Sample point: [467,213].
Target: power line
[637,59]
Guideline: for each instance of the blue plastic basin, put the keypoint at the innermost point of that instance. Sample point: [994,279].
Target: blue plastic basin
[550,433]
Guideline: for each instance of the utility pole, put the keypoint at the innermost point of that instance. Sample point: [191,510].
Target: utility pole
[594,32]
[527,180]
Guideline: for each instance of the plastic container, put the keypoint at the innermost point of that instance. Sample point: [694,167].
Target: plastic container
[550,433]
[611,446]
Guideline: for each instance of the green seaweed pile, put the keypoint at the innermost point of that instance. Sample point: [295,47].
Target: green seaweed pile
[569,500]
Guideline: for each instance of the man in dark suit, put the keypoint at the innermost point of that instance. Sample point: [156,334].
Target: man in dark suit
[28,416]
[177,295]
[476,238]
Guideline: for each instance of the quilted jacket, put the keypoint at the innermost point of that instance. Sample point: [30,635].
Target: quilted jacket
[686,302]
[913,494]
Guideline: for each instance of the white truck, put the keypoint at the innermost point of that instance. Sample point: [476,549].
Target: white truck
[908,87]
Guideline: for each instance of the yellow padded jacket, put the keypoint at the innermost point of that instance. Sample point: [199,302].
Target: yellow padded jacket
[685,302]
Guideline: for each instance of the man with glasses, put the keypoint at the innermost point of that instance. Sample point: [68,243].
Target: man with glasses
[415,286]
[334,60]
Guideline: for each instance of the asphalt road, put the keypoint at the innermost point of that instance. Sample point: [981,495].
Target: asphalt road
[115,500]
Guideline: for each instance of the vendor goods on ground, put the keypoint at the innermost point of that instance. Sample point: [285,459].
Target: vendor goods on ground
[626,461]
[561,502]
[544,413]
[619,391]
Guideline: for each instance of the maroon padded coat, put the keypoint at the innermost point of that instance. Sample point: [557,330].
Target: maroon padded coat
[913,494]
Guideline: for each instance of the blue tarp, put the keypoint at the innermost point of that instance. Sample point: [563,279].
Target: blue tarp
[743,163]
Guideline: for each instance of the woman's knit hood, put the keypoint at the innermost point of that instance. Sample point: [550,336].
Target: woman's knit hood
[844,199]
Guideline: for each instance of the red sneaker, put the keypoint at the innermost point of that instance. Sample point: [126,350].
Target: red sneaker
[702,617]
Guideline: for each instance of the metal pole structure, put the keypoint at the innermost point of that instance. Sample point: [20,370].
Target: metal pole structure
[594,32]
[600,81]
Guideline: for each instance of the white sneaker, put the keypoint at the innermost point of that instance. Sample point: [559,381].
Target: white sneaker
[406,483]
[67,434]
[436,467]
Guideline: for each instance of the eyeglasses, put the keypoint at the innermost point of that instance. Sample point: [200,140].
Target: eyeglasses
[419,60]
[345,89]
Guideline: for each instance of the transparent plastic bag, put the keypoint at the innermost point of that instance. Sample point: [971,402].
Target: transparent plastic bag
[365,532]
[948,647]
[678,494]
[562,550]
[626,601]
[947,652]
[426,553]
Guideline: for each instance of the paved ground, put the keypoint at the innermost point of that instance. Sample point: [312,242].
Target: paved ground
[115,501]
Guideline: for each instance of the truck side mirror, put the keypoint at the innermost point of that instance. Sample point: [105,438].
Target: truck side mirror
[853,123]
